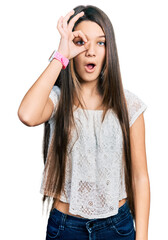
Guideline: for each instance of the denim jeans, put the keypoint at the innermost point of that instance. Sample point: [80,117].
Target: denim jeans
[68,227]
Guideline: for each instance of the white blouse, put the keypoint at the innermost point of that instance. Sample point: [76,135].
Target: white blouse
[94,181]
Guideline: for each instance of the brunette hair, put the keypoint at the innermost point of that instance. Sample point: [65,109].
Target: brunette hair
[111,89]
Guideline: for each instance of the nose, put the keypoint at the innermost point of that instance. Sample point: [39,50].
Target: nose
[90,52]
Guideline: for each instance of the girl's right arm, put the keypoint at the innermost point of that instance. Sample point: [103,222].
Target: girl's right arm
[36,106]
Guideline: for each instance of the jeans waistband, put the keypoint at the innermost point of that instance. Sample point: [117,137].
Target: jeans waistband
[75,222]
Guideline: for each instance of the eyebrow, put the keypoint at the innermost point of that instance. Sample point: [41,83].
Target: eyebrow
[102,36]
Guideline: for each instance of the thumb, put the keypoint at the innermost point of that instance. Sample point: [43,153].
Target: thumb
[82,49]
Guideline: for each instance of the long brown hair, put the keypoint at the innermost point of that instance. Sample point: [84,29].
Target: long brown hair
[111,89]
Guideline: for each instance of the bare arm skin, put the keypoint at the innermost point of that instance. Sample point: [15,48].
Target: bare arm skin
[36,106]
[140,178]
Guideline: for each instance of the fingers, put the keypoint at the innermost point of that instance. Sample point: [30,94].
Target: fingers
[62,22]
[60,25]
[66,18]
[74,19]
[82,49]
[80,34]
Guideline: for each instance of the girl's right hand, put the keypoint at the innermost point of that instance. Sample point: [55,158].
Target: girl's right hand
[66,46]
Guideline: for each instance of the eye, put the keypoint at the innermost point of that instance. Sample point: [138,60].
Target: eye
[80,42]
[101,43]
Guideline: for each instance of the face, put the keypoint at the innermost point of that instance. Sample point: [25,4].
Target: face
[89,63]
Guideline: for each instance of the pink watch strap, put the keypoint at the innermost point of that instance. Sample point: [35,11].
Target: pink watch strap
[60,58]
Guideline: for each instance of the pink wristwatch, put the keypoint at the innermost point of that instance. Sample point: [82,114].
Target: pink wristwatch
[60,58]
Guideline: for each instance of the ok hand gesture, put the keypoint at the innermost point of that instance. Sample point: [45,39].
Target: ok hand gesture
[66,45]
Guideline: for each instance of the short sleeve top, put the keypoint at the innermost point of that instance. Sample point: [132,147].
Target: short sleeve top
[94,179]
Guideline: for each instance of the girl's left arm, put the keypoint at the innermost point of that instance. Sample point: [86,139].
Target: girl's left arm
[141,185]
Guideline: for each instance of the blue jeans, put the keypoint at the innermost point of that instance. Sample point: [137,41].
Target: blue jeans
[68,227]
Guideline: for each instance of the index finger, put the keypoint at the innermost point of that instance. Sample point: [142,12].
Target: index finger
[74,19]
[67,17]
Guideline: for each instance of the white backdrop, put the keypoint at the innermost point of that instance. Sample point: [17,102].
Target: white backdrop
[28,37]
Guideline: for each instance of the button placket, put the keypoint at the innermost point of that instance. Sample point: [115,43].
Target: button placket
[89,226]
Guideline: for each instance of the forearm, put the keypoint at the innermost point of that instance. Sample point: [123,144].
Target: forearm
[142,206]
[35,99]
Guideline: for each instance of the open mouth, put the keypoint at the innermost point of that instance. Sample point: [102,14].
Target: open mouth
[90,67]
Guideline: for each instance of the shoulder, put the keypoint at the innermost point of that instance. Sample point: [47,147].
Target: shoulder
[135,105]
[132,98]
[56,89]
[54,96]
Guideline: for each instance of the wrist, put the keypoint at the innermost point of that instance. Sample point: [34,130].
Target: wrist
[60,57]
[63,53]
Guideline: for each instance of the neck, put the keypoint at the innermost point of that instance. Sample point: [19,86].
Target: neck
[89,89]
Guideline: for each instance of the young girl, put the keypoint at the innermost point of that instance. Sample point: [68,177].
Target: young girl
[94,144]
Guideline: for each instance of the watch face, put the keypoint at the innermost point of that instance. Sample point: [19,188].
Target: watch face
[51,57]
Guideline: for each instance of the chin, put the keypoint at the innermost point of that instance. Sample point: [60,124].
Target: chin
[88,77]
[88,80]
